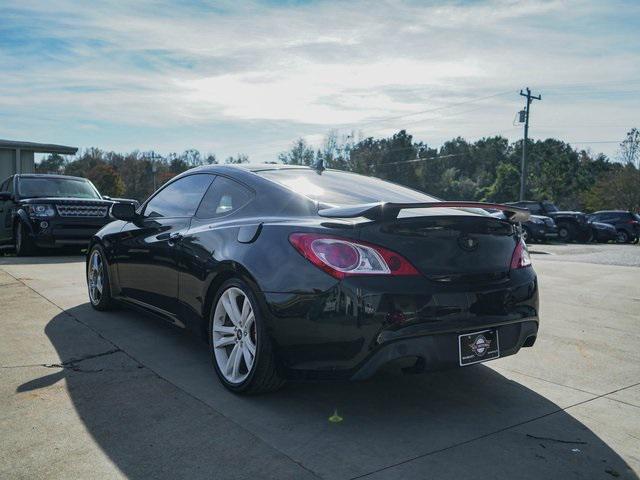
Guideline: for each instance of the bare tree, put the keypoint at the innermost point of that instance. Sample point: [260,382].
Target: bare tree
[630,148]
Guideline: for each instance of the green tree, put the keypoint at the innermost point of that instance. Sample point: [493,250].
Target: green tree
[299,154]
[506,186]
[617,189]
[54,163]
[106,180]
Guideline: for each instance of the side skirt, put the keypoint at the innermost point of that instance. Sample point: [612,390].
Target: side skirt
[152,310]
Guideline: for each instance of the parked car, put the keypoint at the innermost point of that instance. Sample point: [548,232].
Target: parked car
[572,226]
[602,232]
[46,211]
[291,272]
[537,229]
[627,224]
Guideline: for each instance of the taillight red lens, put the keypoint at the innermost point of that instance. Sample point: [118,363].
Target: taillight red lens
[341,257]
[520,257]
[337,254]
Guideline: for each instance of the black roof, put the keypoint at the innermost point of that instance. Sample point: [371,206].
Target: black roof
[38,147]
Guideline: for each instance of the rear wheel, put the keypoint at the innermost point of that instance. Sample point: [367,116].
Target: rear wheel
[241,350]
[23,243]
[623,236]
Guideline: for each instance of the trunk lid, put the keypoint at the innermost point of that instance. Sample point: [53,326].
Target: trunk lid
[461,247]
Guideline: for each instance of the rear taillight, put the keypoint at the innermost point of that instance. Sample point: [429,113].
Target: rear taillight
[341,257]
[520,257]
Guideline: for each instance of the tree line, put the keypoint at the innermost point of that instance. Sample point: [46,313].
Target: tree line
[485,170]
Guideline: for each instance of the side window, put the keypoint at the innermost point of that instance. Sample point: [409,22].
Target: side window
[534,208]
[223,197]
[179,199]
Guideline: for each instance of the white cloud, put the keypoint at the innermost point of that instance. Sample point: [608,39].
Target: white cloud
[163,66]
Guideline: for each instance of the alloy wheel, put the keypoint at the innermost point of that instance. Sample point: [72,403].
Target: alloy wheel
[234,335]
[95,277]
[622,237]
[563,233]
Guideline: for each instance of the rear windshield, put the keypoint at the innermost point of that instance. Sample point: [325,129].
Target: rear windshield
[56,187]
[342,188]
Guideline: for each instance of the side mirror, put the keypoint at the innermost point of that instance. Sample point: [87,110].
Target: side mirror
[124,211]
[4,196]
[106,197]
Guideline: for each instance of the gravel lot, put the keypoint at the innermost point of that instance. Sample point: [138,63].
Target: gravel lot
[605,254]
[119,395]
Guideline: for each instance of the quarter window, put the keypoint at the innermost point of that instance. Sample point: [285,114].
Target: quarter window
[224,196]
[180,198]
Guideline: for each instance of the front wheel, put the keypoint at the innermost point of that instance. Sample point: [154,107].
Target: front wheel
[241,350]
[23,243]
[98,280]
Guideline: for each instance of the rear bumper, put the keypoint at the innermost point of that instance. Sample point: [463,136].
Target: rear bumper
[440,352]
[353,329]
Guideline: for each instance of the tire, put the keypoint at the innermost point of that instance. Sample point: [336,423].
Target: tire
[588,236]
[566,232]
[231,341]
[23,244]
[98,275]
[623,236]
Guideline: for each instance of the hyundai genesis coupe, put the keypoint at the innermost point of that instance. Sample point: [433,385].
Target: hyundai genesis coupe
[310,273]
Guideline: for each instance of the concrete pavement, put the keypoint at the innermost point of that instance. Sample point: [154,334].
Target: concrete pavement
[107,395]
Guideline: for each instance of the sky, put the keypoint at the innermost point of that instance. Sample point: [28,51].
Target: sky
[229,77]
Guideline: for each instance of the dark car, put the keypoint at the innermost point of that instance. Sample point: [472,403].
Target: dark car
[572,226]
[627,224]
[602,232]
[537,228]
[45,211]
[290,272]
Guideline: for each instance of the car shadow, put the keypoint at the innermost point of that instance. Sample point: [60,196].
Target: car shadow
[152,403]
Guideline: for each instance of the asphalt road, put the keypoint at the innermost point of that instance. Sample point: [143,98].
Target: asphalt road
[118,395]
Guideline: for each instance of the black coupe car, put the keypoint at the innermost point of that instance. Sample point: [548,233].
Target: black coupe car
[293,272]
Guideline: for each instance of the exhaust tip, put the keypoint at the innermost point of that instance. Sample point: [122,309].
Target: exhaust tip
[529,341]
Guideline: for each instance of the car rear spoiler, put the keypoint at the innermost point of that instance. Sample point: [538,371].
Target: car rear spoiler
[382,211]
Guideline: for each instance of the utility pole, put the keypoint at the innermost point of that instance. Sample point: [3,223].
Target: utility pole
[523,162]
[154,167]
